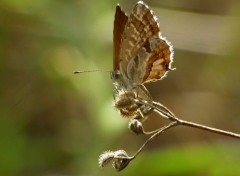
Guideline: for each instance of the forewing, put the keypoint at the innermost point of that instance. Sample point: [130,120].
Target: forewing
[140,26]
[119,25]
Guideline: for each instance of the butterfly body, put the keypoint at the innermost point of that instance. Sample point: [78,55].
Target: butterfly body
[141,55]
[125,99]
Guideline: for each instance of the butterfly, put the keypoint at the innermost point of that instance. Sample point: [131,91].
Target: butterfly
[141,55]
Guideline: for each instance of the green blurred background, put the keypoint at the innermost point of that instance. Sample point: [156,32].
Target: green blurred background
[55,123]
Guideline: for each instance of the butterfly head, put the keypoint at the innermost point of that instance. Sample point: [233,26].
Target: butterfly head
[115,75]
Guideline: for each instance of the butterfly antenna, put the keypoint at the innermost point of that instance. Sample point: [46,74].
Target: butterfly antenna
[76,72]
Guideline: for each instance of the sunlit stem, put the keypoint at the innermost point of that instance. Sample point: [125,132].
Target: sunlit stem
[207,128]
[164,111]
[158,132]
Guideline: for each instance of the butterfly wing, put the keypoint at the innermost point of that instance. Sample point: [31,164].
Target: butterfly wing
[152,62]
[145,56]
[119,25]
[140,26]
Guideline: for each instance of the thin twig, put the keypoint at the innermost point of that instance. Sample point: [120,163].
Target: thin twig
[207,128]
[121,159]
[164,111]
[161,130]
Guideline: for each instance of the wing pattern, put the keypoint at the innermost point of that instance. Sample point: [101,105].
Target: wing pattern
[143,54]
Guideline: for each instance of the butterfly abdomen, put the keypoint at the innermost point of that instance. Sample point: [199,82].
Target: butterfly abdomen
[126,105]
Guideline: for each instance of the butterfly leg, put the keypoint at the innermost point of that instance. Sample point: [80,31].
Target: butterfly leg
[164,108]
[136,124]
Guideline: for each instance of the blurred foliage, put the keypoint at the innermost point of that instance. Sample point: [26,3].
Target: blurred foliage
[55,123]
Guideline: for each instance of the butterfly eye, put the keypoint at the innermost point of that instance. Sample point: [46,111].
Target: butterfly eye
[115,75]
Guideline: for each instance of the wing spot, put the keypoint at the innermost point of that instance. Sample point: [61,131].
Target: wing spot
[158,62]
[147,46]
[158,67]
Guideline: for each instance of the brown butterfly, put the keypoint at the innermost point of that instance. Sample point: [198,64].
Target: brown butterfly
[141,55]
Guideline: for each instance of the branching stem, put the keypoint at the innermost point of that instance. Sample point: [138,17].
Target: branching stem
[122,159]
[165,112]
[161,130]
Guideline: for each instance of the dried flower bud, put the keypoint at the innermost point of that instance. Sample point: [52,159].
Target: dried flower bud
[121,160]
[119,157]
[136,126]
[105,158]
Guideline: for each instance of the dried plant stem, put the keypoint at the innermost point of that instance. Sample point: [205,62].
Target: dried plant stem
[176,121]
[120,157]
[161,130]
[165,112]
[172,117]
[206,128]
